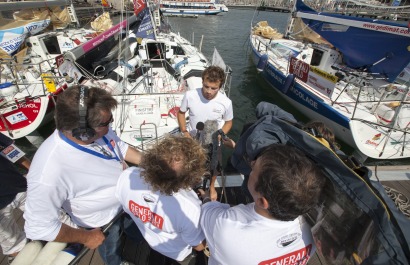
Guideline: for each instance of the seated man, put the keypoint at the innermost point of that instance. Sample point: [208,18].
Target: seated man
[284,185]
[159,198]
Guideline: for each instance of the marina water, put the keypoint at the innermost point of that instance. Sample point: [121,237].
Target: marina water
[229,33]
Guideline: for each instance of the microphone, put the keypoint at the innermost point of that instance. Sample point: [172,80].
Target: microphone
[199,127]
[210,130]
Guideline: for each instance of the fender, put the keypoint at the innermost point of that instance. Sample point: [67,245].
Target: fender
[48,253]
[28,253]
[263,61]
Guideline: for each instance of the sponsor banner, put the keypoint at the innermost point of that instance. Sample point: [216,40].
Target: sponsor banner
[11,39]
[146,28]
[320,83]
[299,69]
[318,79]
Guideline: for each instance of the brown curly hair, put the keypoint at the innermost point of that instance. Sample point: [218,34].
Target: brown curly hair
[214,74]
[175,163]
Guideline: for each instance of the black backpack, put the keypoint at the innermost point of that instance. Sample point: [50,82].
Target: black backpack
[356,223]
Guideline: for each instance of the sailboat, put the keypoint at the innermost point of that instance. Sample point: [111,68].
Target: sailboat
[30,56]
[147,68]
[351,73]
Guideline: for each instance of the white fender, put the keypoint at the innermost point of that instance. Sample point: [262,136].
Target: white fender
[63,258]
[67,255]
[48,253]
[28,253]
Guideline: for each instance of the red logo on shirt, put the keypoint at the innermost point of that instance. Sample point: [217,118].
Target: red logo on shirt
[298,257]
[145,214]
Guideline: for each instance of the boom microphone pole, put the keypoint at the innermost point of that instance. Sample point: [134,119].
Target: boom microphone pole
[199,127]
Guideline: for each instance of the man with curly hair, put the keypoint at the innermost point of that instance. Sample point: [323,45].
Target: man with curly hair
[158,196]
[284,185]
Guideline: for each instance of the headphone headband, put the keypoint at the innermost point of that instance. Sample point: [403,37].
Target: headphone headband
[83,132]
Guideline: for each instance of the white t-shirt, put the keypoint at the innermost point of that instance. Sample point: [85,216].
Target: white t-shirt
[170,224]
[202,109]
[238,235]
[82,183]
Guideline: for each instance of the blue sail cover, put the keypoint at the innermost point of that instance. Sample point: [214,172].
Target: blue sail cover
[379,51]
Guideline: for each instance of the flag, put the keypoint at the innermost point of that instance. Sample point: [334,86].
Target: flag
[139,5]
[146,28]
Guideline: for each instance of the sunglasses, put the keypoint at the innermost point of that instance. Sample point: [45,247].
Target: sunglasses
[105,124]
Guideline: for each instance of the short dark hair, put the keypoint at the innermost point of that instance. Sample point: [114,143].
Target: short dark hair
[289,181]
[67,115]
[214,74]
[157,164]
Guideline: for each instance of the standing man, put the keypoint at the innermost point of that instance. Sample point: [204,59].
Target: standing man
[13,187]
[159,198]
[284,185]
[207,104]
[77,168]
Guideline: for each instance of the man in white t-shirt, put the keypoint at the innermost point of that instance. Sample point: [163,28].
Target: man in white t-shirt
[159,198]
[284,185]
[77,169]
[207,104]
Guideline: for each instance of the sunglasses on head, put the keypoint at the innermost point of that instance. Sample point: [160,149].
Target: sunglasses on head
[105,124]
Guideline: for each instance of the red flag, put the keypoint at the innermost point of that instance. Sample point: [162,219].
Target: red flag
[139,5]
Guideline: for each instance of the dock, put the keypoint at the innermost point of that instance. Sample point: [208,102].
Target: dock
[396,179]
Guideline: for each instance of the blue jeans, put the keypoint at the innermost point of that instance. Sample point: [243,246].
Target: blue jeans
[110,249]
[131,229]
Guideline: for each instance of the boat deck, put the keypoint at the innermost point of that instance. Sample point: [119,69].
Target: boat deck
[143,255]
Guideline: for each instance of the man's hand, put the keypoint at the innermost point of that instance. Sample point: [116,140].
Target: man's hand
[187,134]
[95,238]
[228,142]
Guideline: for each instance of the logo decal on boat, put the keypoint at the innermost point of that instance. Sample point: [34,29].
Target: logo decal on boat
[369,142]
[376,137]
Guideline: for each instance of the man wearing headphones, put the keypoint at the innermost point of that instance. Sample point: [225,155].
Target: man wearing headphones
[77,169]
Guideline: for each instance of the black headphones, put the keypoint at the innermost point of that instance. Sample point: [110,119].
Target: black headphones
[83,132]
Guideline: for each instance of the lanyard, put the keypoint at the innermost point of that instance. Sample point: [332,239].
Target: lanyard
[89,151]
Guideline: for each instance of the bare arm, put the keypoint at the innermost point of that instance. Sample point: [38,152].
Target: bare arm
[227,126]
[212,191]
[182,123]
[133,156]
[90,238]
